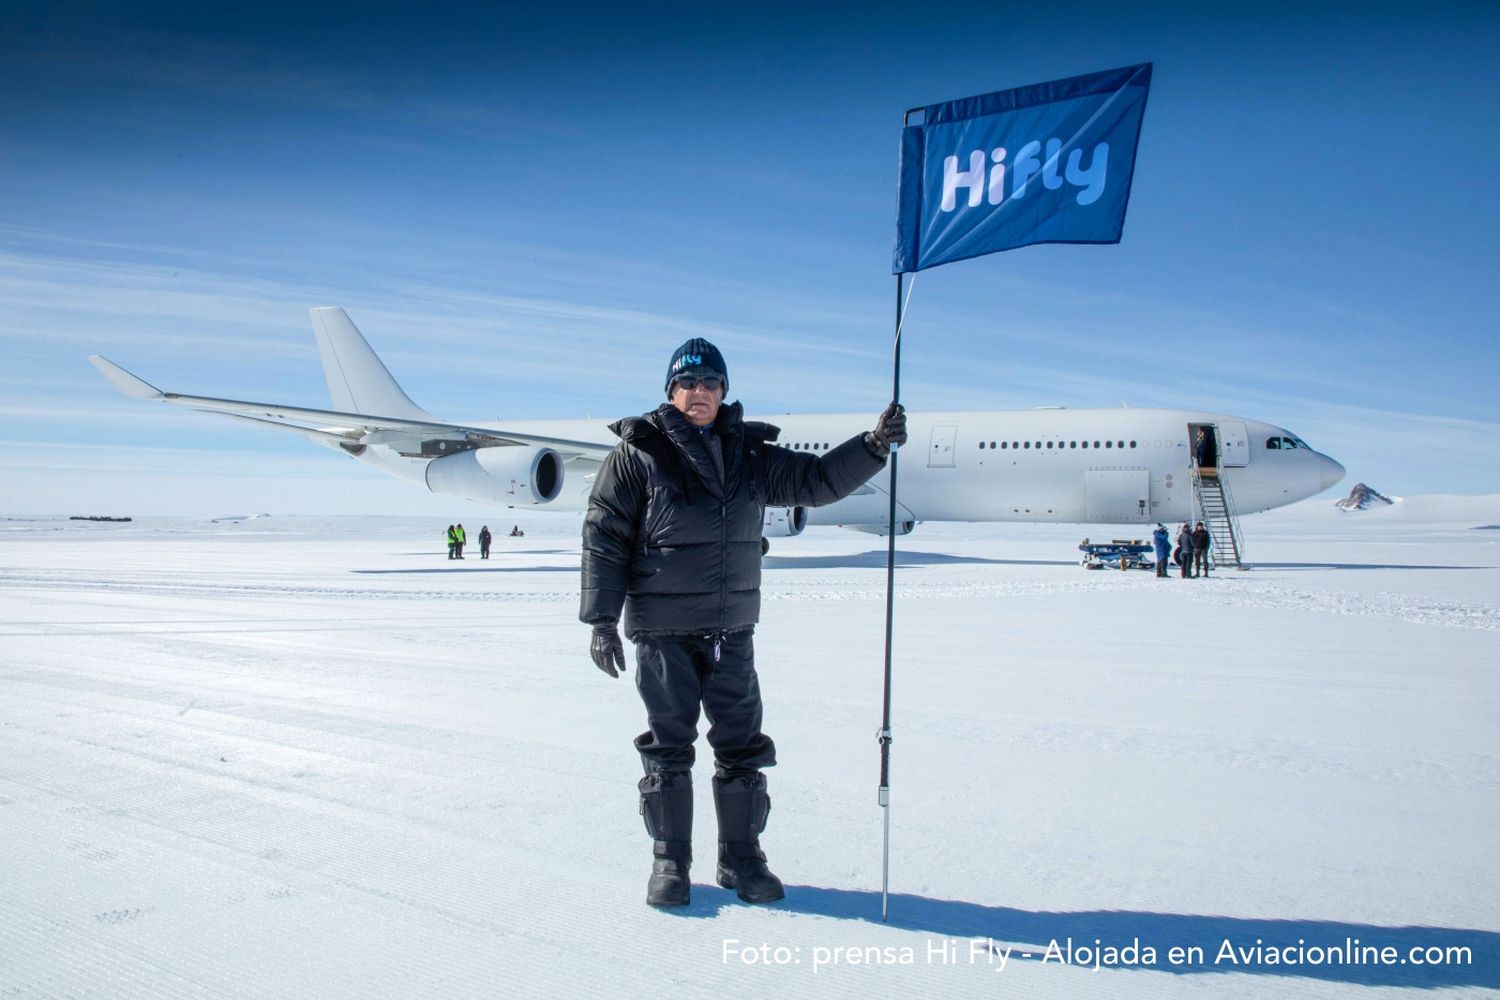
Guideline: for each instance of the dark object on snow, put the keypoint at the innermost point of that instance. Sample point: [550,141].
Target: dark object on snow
[1119,553]
[1363,498]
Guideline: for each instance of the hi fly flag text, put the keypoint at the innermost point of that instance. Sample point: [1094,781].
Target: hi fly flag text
[1048,163]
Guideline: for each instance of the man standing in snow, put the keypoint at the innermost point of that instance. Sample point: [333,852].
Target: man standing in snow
[1185,550]
[1201,542]
[672,539]
[1163,548]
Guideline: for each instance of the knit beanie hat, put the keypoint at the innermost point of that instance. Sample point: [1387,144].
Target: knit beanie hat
[697,357]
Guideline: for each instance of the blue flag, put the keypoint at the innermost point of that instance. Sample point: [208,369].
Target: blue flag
[1048,163]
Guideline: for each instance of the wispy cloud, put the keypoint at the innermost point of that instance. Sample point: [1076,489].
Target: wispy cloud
[118,297]
[260,74]
[467,349]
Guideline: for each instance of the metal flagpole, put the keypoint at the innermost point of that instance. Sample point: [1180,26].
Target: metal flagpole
[884,735]
[890,593]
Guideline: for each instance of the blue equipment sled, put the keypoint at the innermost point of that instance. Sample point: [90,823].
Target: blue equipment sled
[1120,553]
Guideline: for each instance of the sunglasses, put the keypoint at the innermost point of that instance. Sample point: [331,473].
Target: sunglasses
[688,383]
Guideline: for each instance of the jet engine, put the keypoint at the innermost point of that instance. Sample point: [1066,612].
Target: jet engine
[783,522]
[510,475]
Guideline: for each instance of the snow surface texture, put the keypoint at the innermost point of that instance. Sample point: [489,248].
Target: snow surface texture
[286,757]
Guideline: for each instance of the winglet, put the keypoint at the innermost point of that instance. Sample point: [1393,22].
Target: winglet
[121,379]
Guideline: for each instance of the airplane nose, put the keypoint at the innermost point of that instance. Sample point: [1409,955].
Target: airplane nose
[1330,470]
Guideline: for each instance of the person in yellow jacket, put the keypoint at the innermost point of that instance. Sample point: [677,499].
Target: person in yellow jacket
[458,530]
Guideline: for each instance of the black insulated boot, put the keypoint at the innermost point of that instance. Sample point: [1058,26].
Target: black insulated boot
[667,808]
[743,805]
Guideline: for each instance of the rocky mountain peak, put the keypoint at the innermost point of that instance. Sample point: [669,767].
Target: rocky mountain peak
[1363,497]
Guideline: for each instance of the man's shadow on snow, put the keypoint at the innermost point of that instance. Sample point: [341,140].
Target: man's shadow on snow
[1469,957]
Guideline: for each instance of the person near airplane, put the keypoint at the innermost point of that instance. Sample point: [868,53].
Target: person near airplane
[672,539]
[1163,548]
[1201,542]
[484,542]
[1204,453]
[1185,550]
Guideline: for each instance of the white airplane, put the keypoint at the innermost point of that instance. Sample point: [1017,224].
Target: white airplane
[1115,466]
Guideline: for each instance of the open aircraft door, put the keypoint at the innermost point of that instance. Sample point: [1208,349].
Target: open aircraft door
[1234,446]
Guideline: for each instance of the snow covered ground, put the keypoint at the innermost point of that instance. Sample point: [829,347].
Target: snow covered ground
[296,757]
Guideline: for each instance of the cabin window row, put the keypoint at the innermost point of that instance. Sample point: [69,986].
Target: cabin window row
[809,447]
[1023,445]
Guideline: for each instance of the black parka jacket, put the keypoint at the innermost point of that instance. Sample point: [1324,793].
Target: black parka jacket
[677,547]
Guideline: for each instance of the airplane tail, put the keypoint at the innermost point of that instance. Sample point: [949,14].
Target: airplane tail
[358,380]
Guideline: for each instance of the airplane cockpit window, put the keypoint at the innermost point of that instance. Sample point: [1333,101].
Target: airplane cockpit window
[1294,442]
[1273,444]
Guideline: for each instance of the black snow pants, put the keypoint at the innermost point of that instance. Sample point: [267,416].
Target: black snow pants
[675,674]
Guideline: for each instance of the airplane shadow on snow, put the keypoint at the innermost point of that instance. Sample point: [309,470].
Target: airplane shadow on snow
[1032,932]
[474,564]
[875,559]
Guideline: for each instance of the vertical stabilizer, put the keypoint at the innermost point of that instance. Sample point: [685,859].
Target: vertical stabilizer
[358,380]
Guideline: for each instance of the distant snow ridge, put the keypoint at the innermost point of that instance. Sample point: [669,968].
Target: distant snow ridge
[1363,498]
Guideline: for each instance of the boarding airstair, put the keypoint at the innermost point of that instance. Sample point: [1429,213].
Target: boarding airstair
[1216,510]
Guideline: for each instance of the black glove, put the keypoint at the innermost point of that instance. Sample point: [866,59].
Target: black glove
[890,429]
[607,650]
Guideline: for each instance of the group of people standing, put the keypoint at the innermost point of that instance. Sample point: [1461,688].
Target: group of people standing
[1191,552]
[457,540]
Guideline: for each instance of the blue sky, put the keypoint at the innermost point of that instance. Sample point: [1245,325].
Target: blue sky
[525,211]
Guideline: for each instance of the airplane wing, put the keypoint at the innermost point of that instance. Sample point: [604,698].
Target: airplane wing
[335,427]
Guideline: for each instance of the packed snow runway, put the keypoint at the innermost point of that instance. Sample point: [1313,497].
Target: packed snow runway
[302,757]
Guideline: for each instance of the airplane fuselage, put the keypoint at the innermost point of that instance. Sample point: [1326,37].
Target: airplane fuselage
[1111,466]
[1046,465]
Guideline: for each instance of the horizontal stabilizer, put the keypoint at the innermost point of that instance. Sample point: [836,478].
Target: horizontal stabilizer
[135,388]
